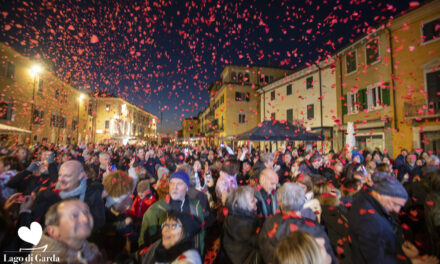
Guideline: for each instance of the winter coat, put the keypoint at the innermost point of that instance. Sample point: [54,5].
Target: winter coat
[139,207]
[190,256]
[284,173]
[280,226]
[26,182]
[334,219]
[267,204]
[432,218]
[58,252]
[240,238]
[376,236]
[306,168]
[156,215]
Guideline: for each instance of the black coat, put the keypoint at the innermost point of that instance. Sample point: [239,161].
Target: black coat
[270,236]
[335,221]
[26,182]
[239,238]
[376,235]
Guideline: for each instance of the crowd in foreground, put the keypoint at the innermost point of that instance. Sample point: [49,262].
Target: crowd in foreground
[174,204]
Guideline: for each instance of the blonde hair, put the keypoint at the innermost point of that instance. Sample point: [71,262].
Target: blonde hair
[326,194]
[298,247]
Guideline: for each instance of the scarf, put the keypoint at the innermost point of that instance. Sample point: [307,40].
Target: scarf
[169,255]
[78,191]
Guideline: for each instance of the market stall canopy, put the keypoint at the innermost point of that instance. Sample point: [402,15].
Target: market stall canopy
[274,130]
[5,129]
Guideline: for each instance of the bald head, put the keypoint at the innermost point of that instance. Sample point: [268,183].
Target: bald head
[71,173]
[268,180]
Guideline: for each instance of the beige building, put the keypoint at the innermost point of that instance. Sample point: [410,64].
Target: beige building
[34,99]
[306,98]
[416,53]
[61,114]
[365,87]
[235,103]
[190,127]
[120,121]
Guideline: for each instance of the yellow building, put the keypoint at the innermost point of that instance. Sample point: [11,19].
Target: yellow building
[120,121]
[416,56]
[364,85]
[305,98]
[190,127]
[235,102]
[34,99]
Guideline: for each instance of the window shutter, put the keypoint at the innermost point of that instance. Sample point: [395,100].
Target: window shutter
[386,96]
[363,99]
[345,105]
[433,83]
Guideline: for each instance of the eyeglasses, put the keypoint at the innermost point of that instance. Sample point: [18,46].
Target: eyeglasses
[171,226]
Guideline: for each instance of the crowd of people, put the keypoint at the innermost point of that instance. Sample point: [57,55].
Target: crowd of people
[167,203]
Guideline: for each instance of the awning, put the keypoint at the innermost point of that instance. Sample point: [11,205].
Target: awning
[5,129]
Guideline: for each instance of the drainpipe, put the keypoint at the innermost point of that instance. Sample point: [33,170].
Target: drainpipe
[390,44]
[320,95]
[342,94]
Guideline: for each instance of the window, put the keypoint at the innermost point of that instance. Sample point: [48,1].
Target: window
[37,117]
[53,121]
[289,115]
[134,129]
[431,30]
[350,62]
[90,112]
[233,76]
[372,50]
[265,79]
[74,124]
[222,99]
[57,93]
[289,89]
[62,121]
[242,97]
[107,107]
[10,70]
[433,88]
[374,97]
[241,118]
[240,77]
[107,124]
[247,78]
[40,84]
[309,82]
[7,111]
[310,111]
[272,116]
[272,95]
[352,101]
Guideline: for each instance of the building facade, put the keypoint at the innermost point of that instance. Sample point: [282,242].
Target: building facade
[120,121]
[44,108]
[365,86]
[305,98]
[234,101]
[416,54]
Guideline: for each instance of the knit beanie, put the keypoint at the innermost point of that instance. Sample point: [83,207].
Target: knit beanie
[386,184]
[180,174]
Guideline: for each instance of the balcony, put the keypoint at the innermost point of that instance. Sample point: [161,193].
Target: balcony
[215,127]
[419,110]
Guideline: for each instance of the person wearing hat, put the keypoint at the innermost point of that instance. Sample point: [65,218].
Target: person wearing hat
[375,233]
[176,245]
[176,200]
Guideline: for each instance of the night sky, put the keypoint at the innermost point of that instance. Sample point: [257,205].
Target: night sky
[162,55]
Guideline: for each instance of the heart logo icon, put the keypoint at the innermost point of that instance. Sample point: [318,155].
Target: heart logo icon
[32,235]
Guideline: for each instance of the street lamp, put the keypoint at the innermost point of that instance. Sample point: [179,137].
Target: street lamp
[34,72]
[80,98]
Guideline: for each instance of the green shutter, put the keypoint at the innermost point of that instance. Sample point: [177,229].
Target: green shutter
[386,96]
[344,105]
[363,99]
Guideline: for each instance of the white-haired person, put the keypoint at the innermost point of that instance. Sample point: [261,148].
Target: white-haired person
[291,198]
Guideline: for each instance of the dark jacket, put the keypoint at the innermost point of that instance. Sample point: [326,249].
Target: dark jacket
[376,235]
[267,204]
[284,173]
[334,219]
[26,182]
[240,238]
[432,218]
[278,227]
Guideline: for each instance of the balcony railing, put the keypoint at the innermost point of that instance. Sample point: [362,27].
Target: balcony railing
[420,109]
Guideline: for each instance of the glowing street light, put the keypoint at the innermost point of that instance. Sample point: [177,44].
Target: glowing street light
[34,72]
